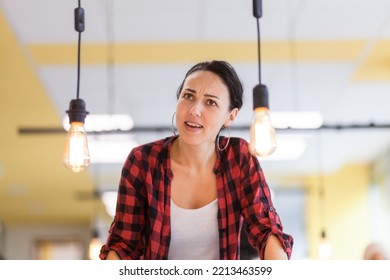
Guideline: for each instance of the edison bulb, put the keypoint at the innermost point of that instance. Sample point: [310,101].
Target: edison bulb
[262,134]
[76,156]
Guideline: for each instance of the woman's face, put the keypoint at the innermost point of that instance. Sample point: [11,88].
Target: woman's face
[203,108]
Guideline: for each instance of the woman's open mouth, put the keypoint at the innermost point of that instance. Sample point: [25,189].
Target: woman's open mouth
[193,125]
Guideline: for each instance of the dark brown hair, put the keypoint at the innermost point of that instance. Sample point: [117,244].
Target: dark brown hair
[228,75]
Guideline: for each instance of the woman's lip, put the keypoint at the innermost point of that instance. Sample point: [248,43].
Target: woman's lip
[192,129]
[193,125]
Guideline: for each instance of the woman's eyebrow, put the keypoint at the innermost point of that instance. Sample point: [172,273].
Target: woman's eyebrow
[206,94]
[211,95]
[190,89]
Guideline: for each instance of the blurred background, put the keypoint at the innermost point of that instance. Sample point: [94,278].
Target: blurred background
[330,184]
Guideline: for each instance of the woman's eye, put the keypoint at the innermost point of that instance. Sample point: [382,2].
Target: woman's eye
[187,95]
[211,102]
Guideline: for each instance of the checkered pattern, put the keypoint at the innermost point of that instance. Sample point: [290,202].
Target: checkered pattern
[141,227]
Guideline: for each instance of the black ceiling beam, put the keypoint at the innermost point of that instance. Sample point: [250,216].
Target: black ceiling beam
[152,129]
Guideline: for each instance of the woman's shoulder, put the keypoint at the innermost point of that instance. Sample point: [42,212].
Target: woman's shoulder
[239,144]
[239,141]
[237,148]
[237,152]
[150,153]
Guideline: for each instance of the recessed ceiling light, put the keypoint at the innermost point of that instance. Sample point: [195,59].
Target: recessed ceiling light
[113,148]
[104,122]
[289,148]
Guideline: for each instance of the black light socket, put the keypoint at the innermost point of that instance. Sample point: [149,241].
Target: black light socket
[260,97]
[257,9]
[79,22]
[77,112]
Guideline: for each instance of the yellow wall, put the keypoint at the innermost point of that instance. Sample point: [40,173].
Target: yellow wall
[380,201]
[345,216]
[32,173]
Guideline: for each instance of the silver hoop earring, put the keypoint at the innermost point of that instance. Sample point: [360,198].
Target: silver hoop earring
[173,127]
[227,143]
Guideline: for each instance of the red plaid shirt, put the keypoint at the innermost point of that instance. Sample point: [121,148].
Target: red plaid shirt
[141,227]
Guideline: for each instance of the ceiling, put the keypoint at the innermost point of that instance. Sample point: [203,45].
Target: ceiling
[329,56]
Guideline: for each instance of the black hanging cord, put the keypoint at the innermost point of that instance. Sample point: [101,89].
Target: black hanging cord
[79,25]
[260,91]
[77,112]
[257,13]
[258,49]
[78,65]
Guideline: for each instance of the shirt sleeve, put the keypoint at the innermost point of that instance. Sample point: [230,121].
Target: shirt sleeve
[126,231]
[257,207]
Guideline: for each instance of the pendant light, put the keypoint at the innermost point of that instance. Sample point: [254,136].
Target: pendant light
[262,133]
[76,156]
[324,246]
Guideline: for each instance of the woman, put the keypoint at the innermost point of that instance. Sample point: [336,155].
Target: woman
[187,196]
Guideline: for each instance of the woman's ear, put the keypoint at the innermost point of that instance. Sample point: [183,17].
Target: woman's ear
[232,115]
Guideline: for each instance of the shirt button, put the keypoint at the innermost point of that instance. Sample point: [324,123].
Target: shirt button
[271,209]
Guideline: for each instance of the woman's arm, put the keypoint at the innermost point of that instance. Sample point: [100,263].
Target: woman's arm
[265,230]
[125,233]
[112,255]
[274,249]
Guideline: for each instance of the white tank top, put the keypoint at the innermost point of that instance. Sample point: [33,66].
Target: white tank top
[194,233]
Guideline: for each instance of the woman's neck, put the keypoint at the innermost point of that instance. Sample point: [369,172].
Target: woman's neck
[196,157]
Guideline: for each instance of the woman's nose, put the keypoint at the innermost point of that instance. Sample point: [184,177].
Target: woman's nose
[196,109]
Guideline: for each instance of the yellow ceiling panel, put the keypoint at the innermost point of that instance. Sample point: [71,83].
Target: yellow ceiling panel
[376,66]
[173,52]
